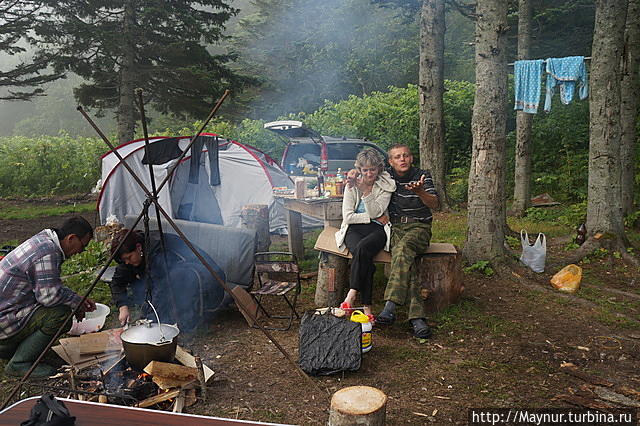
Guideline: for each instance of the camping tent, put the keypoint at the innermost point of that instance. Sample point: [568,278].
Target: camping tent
[203,188]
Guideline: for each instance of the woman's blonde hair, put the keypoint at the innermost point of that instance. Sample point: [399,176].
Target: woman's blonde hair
[371,158]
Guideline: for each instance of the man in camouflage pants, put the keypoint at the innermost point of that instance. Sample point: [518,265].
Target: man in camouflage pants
[410,215]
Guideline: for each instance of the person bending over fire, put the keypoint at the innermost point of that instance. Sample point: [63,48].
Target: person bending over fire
[174,280]
[33,300]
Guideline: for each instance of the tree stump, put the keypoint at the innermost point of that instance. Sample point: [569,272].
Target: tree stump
[333,273]
[361,405]
[256,216]
[441,280]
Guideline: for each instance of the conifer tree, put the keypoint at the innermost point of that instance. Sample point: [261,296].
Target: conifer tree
[22,80]
[157,45]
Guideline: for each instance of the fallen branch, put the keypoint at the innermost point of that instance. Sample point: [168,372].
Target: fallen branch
[611,396]
[573,371]
[585,402]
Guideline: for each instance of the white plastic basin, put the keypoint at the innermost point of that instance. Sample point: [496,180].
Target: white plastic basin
[92,322]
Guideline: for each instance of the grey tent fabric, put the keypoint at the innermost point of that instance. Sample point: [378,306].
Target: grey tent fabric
[231,248]
[247,176]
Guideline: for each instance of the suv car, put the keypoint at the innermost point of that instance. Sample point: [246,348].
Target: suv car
[305,147]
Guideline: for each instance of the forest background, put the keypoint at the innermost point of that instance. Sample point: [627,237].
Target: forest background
[347,68]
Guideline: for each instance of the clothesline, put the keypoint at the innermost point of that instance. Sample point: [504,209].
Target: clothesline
[587,58]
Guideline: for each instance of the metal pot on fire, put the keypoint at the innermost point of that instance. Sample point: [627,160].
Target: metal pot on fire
[148,342]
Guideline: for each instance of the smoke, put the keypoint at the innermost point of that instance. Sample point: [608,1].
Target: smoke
[307,51]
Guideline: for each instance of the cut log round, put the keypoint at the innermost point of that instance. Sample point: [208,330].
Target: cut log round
[256,217]
[441,280]
[361,405]
[333,274]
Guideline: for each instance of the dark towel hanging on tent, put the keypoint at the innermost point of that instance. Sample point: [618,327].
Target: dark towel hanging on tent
[196,154]
[163,151]
[212,147]
[211,142]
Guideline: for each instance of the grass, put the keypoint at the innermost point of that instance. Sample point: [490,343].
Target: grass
[32,212]
[550,229]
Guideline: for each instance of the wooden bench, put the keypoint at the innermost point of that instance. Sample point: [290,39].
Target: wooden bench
[439,272]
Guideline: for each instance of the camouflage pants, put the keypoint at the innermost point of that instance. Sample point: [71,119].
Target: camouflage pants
[408,240]
[45,319]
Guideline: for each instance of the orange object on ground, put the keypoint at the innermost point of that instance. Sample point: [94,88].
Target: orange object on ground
[567,279]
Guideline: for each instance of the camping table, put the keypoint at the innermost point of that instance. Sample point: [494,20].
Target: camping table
[93,413]
[329,210]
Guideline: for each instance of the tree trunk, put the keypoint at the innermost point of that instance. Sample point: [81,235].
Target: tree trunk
[431,91]
[524,143]
[333,275]
[126,119]
[630,92]
[486,215]
[604,197]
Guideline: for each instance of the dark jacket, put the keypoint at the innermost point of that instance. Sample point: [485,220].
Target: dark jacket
[176,288]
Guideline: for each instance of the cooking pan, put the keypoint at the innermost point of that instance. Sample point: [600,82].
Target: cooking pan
[148,342]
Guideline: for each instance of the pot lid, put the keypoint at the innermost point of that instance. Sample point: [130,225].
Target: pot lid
[150,334]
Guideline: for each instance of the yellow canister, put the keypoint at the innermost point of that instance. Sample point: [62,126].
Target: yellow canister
[367,338]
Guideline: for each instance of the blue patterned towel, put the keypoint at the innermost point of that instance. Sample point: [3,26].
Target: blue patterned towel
[565,73]
[528,77]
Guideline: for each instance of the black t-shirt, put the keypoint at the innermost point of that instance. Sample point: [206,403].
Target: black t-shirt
[407,203]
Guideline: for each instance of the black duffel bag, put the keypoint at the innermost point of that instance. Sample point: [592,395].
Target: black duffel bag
[329,345]
[48,411]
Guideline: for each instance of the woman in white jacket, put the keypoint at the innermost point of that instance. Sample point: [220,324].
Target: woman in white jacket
[365,228]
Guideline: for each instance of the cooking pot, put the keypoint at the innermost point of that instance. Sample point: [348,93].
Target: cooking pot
[148,342]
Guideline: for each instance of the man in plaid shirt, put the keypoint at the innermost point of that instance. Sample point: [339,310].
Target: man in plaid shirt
[33,301]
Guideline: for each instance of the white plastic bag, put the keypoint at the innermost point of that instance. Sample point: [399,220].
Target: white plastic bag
[534,255]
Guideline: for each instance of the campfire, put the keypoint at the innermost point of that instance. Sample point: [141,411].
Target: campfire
[97,370]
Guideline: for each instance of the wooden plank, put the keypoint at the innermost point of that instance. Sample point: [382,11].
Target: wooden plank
[96,360]
[171,371]
[70,354]
[165,383]
[185,358]
[327,242]
[158,398]
[104,341]
[294,226]
[246,303]
[178,406]
[58,349]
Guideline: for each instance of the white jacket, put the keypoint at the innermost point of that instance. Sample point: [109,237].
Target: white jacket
[375,204]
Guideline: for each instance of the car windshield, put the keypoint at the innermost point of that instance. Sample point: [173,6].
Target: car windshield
[342,155]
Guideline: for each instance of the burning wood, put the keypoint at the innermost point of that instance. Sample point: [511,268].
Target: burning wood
[172,386]
[158,398]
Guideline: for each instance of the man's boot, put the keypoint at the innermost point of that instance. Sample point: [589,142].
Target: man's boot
[7,351]
[26,353]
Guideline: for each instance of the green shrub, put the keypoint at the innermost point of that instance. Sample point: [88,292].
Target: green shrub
[48,165]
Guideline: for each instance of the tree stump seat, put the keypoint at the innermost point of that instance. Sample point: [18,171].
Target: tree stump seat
[439,272]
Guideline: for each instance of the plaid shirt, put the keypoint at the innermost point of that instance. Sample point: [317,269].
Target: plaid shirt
[30,278]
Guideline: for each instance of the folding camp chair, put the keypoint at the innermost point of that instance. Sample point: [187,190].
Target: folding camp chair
[277,273]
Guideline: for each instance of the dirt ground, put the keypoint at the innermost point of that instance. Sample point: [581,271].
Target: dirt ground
[503,345]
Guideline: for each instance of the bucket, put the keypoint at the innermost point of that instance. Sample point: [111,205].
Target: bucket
[367,338]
